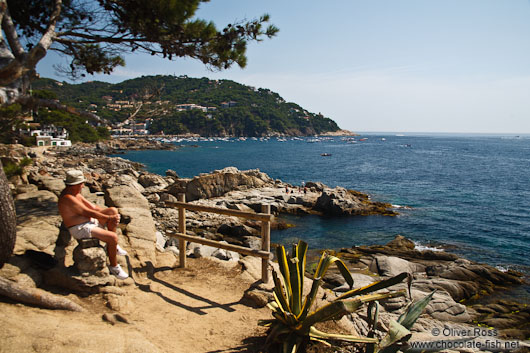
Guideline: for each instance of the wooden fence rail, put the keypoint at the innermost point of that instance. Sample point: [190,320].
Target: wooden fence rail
[265,217]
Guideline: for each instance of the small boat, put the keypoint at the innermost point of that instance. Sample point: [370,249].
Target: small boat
[363,139]
[326,154]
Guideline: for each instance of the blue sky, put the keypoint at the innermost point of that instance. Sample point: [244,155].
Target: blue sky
[380,65]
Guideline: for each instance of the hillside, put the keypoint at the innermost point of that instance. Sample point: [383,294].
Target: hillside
[177,105]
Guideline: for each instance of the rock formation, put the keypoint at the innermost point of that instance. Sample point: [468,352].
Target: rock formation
[45,253]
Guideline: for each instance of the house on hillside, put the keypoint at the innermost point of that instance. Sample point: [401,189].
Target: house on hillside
[51,136]
[183,107]
[228,104]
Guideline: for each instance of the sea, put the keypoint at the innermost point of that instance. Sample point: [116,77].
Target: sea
[467,194]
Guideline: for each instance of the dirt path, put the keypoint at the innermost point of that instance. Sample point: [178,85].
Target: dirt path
[198,309]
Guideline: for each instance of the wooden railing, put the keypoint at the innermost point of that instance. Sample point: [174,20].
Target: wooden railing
[265,217]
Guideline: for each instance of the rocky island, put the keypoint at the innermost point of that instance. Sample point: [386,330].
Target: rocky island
[46,257]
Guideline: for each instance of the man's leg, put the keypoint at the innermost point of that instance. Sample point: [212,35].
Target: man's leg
[112,226]
[111,211]
[111,239]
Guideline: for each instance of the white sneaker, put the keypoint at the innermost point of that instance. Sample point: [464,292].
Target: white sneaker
[120,251]
[118,272]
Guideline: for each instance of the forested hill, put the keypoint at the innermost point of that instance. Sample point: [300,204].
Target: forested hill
[180,105]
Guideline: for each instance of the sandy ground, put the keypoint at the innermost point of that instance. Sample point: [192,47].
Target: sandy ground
[197,309]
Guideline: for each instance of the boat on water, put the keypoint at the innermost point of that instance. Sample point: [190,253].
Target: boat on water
[325,154]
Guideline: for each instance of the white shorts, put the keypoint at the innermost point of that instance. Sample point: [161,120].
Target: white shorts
[83,230]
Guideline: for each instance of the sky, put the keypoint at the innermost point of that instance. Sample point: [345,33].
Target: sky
[456,66]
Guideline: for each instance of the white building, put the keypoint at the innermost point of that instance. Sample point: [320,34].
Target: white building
[51,136]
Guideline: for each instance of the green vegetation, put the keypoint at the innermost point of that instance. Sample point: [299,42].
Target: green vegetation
[293,323]
[11,169]
[10,122]
[252,112]
[77,127]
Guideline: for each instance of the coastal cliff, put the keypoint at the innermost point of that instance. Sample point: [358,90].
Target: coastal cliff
[45,254]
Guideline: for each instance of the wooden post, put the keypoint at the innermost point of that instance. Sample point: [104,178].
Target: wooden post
[265,243]
[182,229]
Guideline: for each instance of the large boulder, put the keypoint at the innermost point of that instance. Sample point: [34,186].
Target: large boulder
[393,266]
[13,152]
[441,307]
[123,196]
[91,261]
[340,201]
[237,230]
[152,182]
[38,222]
[337,202]
[138,226]
[55,185]
[222,181]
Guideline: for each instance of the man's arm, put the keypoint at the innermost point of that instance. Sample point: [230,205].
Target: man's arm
[89,204]
[79,208]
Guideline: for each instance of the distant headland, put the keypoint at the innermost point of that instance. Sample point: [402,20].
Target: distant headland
[175,105]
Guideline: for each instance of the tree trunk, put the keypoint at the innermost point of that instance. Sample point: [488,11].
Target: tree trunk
[8,220]
[36,296]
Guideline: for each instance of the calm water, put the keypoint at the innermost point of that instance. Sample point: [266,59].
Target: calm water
[470,193]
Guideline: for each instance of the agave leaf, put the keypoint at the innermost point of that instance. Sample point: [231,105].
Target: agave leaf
[278,308]
[273,305]
[373,316]
[409,284]
[378,296]
[317,271]
[310,299]
[277,330]
[301,254]
[266,323]
[279,293]
[296,298]
[326,261]
[344,271]
[314,333]
[370,348]
[319,340]
[413,312]
[284,269]
[394,348]
[396,333]
[374,286]
[281,318]
[292,343]
[330,311]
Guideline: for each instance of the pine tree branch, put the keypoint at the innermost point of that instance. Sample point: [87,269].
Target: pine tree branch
[26,64]
[11,35]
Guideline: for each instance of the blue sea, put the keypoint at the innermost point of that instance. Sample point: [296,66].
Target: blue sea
[469,194]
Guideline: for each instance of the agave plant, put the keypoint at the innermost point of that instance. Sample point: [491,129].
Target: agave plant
[293,323]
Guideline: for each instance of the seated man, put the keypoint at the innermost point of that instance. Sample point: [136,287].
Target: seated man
[84,219]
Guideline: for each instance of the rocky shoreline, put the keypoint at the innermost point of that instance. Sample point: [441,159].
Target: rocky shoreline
[46,256]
